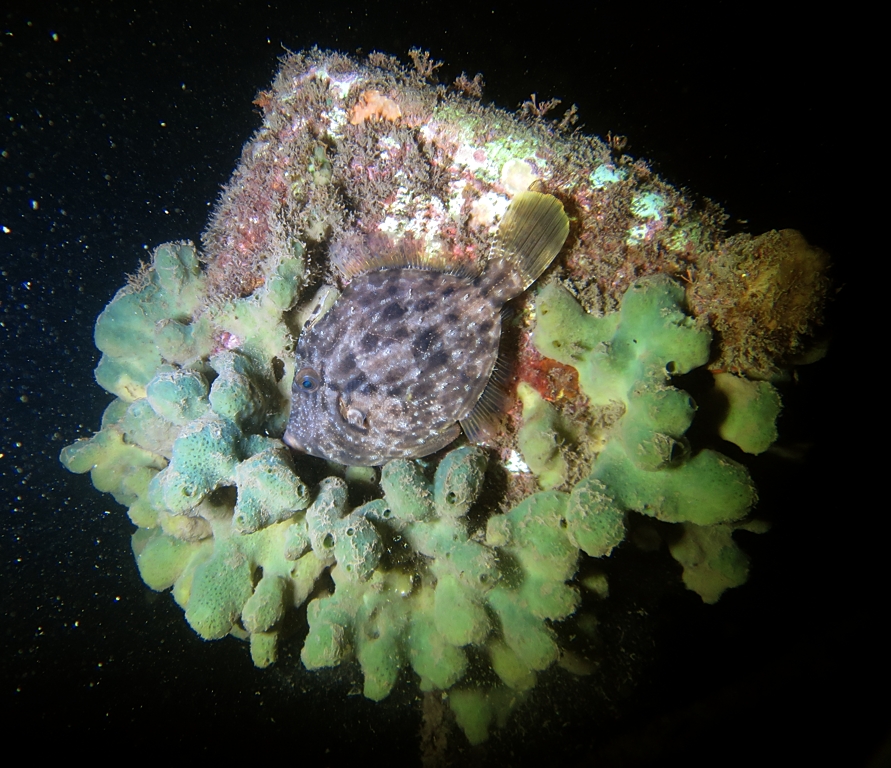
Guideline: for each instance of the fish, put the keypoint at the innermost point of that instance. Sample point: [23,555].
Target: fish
[405,358]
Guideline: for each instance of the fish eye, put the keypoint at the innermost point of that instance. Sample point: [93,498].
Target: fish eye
[307,380]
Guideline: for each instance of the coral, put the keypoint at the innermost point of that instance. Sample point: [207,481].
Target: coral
[469,571]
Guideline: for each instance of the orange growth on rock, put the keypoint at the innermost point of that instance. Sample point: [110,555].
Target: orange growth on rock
[552,380]
[373,104]
[263,100]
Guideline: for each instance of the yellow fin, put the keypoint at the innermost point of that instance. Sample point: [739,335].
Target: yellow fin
[358,255]
[532,233]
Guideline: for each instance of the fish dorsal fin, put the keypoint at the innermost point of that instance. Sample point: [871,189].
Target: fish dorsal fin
[532,233]
[317,307]
[359,255]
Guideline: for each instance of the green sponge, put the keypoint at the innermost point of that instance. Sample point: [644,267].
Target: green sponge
[478,709]
[458,480]
[628,358]
[235,394]
[162,559]
[595,521]
[439,662]
[266,606]
[268,490]
[649,339]
[126,331]
[178,395]
[220,588]
[750,411]
[712,561]
[116,466]
[204,458]
[541,437]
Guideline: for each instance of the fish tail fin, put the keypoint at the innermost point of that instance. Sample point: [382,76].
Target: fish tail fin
[532,233]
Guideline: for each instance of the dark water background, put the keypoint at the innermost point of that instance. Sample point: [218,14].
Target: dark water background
[120,122]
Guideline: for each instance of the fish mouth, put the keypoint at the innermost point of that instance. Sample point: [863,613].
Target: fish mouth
[291,441]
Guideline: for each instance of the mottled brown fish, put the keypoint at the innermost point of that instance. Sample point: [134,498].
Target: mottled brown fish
[406,354]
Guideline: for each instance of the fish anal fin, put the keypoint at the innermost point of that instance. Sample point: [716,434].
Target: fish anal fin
[439,441]
[484,421]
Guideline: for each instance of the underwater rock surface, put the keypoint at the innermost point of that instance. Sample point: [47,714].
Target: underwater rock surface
[461,569]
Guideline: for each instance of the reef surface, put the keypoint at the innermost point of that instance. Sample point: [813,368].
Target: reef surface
[643,371]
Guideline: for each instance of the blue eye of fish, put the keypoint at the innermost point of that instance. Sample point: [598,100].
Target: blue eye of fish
[308,379]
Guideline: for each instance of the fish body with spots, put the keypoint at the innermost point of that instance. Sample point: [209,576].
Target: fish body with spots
[403,358]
